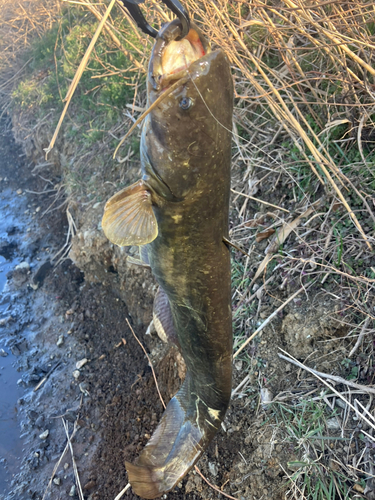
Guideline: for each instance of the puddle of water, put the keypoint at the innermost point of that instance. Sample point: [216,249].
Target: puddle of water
[10,442]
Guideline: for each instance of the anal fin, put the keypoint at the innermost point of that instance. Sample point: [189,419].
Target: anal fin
[129,218]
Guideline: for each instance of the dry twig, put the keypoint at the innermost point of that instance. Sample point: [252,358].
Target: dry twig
[360,336]
[149,362]
[78,482]
[335,378]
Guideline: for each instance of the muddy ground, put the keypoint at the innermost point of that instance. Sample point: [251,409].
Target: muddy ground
[58,317]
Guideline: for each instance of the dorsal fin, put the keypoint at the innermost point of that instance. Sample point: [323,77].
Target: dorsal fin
[128,217]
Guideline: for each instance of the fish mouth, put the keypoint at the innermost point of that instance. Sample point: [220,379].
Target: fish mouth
[171,58]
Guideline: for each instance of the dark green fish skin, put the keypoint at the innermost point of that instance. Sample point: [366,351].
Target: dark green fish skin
[188,258]
[186,157]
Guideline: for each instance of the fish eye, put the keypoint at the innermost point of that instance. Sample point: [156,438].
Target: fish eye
[186,103]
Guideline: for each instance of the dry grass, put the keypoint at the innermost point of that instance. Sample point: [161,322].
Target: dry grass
[299,71]
[21,22]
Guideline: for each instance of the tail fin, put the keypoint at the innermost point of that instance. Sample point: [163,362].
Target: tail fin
[185,430]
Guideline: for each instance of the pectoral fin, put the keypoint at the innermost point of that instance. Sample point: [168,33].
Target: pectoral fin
[128,217]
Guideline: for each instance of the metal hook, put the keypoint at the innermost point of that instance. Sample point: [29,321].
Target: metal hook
[139,18]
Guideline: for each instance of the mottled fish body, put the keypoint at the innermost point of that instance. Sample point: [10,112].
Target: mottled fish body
[180,210]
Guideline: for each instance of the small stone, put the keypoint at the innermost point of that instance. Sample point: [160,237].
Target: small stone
[66,466]
[72,491]
[81,363]
[3,353]
[266,396]
[44,434]
[334,423]
[39,422]
[60,341]
[238,365]
[57,480]
[76,374]
[340,403]
[359,488]
[19,191]
[212,467]
[37,209]
[90,485]
[15,350]
[22,266]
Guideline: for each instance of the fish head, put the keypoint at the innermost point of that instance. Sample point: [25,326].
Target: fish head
[186,133]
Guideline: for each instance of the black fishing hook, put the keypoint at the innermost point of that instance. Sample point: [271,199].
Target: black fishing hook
[133,8]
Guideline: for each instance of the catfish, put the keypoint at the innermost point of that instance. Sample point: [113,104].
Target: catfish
[178,214]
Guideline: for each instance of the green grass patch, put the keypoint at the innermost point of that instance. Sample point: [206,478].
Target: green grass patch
[304,426]
[96,112]
[55,59]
